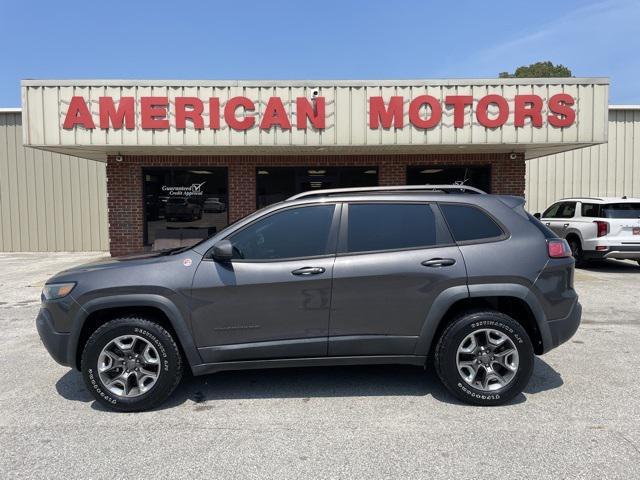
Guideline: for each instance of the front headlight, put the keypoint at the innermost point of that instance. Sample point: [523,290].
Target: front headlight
[53,291]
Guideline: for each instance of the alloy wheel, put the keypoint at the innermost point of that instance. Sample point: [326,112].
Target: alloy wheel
[129,366]
[487,359]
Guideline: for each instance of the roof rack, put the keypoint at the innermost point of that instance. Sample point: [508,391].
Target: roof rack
[399,188]
[581,198]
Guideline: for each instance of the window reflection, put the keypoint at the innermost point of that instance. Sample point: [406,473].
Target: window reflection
[184,206]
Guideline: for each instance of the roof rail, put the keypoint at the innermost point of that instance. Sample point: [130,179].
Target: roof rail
[581,198]
[398,188]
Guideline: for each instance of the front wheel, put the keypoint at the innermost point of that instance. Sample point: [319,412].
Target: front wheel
[484,358]
[131,364]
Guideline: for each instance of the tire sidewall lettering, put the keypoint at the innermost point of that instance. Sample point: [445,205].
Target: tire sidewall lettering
[96,385]
[156,341]
[497,324]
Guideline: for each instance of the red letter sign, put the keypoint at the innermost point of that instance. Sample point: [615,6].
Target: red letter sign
[414,111]
[115,117]
[275,114]
[78,114]
[563,115]
[214,113]
[459,102]
[528,106]
[230,113]
[153,113]
[482,111]
[306,111]
[194,113]
[379,115]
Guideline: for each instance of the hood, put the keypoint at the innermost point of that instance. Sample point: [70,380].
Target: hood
[126,261]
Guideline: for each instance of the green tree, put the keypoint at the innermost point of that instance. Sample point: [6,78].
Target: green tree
[538,70]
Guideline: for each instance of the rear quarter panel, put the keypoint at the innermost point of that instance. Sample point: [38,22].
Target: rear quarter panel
[517,259]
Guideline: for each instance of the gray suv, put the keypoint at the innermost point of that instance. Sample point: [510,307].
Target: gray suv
[351,276]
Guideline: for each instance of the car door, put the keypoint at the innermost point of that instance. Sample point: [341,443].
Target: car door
[393,260]
[558,217]
[272,299]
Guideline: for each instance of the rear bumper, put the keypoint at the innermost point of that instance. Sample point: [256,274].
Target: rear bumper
[56,343]
[618,252]
[563,329]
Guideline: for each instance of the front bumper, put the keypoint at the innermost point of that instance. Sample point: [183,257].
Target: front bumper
[563,329]
[56,343]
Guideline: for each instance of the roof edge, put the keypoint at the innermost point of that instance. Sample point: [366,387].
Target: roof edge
[318,83]
[624,107]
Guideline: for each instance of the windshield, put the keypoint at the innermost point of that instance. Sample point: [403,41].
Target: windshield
[621,210]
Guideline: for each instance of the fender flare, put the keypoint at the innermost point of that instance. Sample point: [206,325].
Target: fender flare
[448,297]
[573,231]
[136,300]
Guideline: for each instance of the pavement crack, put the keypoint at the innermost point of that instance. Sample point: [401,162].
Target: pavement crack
[635,447]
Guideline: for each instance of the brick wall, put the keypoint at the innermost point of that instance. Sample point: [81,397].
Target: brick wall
[125,182]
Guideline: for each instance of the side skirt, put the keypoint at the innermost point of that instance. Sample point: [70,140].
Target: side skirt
[206,368]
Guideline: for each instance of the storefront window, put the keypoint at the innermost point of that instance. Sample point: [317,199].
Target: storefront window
[479,177]
[274,184]
[184,206]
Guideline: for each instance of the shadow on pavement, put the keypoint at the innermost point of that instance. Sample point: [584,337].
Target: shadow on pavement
[613,266]
[351,381]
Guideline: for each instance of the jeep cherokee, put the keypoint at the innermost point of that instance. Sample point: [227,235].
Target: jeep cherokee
[332,277]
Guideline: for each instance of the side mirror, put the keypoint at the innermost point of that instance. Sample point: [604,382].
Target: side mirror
[222,251]
[537,215]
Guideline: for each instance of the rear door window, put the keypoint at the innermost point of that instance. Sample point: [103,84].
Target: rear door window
[468,223]
[392,226]
[591,210]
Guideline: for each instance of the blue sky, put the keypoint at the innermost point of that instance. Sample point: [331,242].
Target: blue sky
[357,39]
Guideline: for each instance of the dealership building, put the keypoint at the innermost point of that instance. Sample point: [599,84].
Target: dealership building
[151,164]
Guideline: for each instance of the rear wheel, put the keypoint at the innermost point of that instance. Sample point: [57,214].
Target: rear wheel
[484,358]
[576,251]
[131,364]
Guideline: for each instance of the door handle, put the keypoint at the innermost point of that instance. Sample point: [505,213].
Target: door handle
[308,271]
[439,262]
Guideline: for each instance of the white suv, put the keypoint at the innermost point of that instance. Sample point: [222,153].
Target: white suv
[597,228]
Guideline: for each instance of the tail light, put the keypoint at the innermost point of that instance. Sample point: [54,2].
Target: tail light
[558,248]
[603,227]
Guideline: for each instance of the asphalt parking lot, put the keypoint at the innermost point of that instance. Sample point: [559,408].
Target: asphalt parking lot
[579,416]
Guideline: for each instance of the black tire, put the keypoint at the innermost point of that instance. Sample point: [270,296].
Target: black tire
[447,350]
[170,365]
[576,251]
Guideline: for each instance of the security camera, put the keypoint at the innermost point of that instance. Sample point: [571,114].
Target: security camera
[513,156]
[118,158]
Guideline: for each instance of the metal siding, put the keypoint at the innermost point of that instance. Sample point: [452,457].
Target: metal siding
[608,170]
[48,201]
